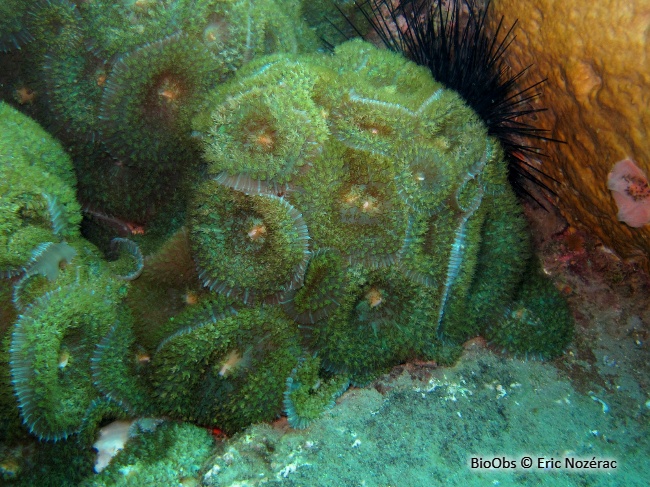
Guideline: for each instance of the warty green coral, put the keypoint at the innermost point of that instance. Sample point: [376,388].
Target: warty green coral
[37,189]
[227,370]
[252,247]
[432,242]
[351,210]
[51,347]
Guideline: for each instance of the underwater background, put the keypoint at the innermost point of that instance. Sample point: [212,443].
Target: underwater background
[239,245]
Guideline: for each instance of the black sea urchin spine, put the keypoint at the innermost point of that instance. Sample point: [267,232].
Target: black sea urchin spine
[452,40]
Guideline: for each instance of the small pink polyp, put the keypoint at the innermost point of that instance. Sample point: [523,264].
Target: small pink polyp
[629,186]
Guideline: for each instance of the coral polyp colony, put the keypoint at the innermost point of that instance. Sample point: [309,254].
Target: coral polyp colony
[275,225]
[53,388]
[149,97]
[252,247]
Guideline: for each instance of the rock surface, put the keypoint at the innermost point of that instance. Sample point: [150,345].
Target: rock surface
[596,56]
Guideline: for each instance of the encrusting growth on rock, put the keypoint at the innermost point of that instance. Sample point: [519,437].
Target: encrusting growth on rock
[275,226]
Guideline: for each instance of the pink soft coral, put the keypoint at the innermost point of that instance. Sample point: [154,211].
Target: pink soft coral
[629,186]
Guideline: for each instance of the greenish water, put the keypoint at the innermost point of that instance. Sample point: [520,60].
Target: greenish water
[406,239]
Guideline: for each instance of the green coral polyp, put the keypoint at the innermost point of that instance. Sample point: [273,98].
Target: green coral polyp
[322,289]
[47,259]
[534,325]
[13,29]
[150,96]
[50,352]
[421,258]
[129,263]
[381,321]
[76,106]
[271,137]
[308,394]
[264,129]
[228,371]
[37,184]
[352,204]
[55,25]
[237,31]
[113,28]
[250,247]
[120,369]
[370,125]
